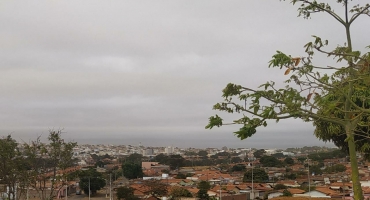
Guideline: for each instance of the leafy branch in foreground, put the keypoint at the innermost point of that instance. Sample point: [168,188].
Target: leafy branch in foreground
[334,98]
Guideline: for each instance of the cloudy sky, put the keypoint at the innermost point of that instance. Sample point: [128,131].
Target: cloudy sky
[124,72]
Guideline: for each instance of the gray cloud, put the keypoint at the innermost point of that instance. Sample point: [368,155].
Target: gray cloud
[145,71]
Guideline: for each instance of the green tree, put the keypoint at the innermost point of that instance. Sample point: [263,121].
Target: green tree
[161,158]
[203,153]
[286,193]
[204,185]
[91,179]
[202,194]
[278,155]
[258,175]
[190,153]
[238,168]
[321,156]
[301,159]
[223,154]
[235,160]
[156,187]
[280,186]
[175,161]
[45,159]
[181,176]
[259,153]
[12,167]
[329,132]
[336,94]
[269,161]
[135,158]
[99,164]
[126,193]
[179,192]
[289,161]
[336,168]
[132,170]
[315,169]
[291,176]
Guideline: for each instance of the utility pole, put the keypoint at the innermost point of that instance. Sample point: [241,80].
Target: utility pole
[27,196]
[66,188]
[110,186]
[308,173]
[89,188]
[252,182]
[220,188]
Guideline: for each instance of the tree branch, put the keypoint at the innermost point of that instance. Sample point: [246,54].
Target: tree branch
[334,15]
[354,17]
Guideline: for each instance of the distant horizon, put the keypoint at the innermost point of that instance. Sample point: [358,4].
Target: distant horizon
[217,147]
[217,141]
[150,71]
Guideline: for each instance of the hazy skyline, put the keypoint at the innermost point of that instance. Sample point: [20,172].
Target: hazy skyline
[147,71]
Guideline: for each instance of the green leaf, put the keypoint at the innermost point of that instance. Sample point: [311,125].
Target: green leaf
[245,132]
[214,121]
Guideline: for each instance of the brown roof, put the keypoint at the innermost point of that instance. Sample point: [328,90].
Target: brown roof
[193,190]
[296,191]
[326,190]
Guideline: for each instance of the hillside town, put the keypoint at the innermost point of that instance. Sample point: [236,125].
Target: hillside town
[233,173]
[225,178]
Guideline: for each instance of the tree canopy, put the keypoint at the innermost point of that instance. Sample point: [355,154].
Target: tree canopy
[203,195]
[155,187]
[48,158]
[289,161]
[270,161]
[280,186]
[336,95]
[178,192]
[238,168]
[335,168]
[203,153]
[135,158]
[174,161]
[257,174]
[132,170]
[204,185]
[259,153]
[91,179]
[126,193]
[12,167]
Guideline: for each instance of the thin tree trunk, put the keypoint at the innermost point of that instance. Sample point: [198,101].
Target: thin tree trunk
[357,190]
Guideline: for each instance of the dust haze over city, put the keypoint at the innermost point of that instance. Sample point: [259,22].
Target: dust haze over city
[149,72]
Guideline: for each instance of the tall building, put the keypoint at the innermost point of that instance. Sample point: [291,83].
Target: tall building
[148,152]
[169,150]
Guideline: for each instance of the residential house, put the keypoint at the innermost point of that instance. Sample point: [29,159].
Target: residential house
[322,192]
[293,191]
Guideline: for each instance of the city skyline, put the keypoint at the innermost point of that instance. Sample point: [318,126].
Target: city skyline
[278,140]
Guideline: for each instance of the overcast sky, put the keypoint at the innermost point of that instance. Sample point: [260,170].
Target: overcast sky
[124,72]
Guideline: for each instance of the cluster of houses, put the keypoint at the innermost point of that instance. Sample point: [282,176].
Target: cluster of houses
[230,185]
[225,184]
